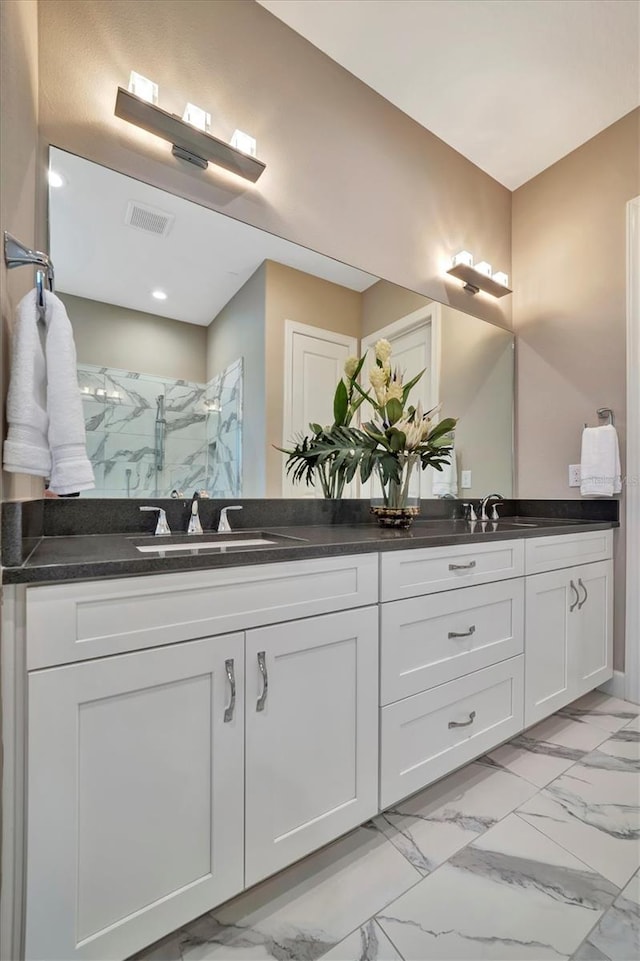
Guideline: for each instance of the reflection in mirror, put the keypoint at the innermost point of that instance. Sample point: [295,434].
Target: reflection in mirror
[203,342]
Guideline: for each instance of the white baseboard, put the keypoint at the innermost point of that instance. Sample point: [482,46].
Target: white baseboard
[614,687]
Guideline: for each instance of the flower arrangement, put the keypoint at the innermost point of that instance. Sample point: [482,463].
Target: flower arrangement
[398,438]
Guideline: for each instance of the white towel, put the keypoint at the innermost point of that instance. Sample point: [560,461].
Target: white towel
[446,480]
[26,449]
[46,426]
[600,462]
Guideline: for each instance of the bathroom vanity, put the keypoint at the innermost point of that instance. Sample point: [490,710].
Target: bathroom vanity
[186,734]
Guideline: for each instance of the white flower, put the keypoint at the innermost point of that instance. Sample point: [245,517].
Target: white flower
[394,392]
[382,350]
[350,366]
[378,378]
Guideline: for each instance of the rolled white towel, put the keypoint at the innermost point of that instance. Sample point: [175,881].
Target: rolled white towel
[26,449]
[600,462]
[71,470]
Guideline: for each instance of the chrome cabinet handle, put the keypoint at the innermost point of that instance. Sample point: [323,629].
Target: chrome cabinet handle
[265,681]
[468,633]
[472,717]
[231,677]
[462,567]
[586,593]
[577,600]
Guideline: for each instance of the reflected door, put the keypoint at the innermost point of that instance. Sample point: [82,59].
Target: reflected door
[314,363]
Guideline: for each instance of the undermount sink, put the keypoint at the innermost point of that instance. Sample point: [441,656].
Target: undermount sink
[232,540]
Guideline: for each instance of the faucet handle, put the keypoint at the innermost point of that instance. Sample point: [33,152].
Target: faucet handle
[223,525]
[162,527]
[494,510]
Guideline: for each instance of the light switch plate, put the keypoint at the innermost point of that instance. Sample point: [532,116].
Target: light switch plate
[575,477]
[465,479]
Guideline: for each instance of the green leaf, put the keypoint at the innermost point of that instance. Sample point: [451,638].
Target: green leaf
[340,403]
[394,410]
[397,439]
[412,383]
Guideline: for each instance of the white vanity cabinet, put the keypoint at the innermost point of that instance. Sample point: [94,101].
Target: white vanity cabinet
[145,809]
[569,636]
[136,781]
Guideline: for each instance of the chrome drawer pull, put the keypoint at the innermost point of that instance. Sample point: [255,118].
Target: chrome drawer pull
[586,593]
[472,717]
[468,633]
[228,711]
[577,600]
[462,567]
[262,700]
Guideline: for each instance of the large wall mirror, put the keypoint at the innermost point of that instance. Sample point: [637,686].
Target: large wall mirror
[203,344]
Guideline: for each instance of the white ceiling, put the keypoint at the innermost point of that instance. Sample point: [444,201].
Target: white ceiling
[513,85]
[204,259]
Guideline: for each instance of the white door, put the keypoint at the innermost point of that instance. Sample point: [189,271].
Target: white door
[311,735]
[135,785]
[550,602]
[415,340]
[313,365]
[591,627]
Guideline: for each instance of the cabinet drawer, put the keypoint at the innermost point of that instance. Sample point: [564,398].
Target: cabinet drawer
[426,641]
[411,573]
[566,550]
[418,745]
[72,622]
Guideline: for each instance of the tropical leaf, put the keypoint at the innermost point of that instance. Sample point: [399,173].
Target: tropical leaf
[394,410]
[340,403]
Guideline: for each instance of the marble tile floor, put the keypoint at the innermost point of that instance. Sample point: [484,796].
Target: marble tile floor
[531,852]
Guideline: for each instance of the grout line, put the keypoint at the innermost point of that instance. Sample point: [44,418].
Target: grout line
[390,939]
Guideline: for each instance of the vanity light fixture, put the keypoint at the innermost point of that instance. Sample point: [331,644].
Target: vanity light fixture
[188,142]
[55,179]
[197,117]
[159,294]
[143,88]
[478,277]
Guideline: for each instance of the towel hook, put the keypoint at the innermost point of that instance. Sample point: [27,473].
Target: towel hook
[17,254]
[603,412]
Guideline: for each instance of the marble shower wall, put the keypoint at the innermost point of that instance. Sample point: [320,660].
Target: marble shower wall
[202,433]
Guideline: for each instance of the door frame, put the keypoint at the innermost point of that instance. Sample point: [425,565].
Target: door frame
[632,485]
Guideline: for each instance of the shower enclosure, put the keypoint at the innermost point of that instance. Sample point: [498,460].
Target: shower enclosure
[149,435]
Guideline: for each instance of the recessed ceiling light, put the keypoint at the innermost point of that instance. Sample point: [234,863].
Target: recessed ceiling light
[159,295]
[55,179]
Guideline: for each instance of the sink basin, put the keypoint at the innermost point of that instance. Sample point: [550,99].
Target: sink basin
[230,541]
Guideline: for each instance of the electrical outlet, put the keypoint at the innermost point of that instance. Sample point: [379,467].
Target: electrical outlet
[574,475]
[465,479]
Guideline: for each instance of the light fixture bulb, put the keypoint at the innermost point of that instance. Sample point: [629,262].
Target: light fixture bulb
[483,268]
[143,88]
[501,278]
[55,179]
[462,257]
[244,142]
[159,294]
[197,117]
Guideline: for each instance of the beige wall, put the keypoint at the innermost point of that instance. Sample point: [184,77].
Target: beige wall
[239,331]
[18,152]
[347,174]
[294,295]
[476,385]
[383,303]
[569,309]
[111,336]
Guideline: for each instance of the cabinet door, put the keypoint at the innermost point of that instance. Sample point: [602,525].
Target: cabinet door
[311,735]
[592,627]
[135,783]
[549,598]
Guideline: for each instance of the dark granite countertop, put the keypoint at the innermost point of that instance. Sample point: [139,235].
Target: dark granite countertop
[89,556]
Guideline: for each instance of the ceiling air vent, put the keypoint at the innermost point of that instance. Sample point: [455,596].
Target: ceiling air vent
[150,219]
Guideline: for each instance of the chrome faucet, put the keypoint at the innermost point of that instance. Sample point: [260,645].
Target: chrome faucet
[162,527]
[223,525]
[497,499]
[194,527]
